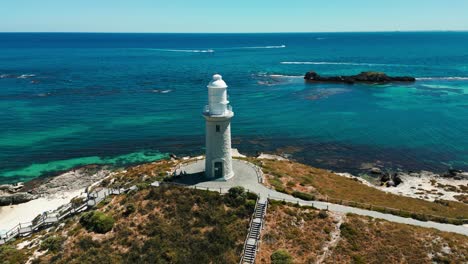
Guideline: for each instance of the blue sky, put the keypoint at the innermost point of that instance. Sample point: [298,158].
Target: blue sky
[231,16]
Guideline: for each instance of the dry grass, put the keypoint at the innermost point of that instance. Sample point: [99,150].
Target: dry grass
[144,173]
[290,176]
[361,239]
[299,231]
[367,240]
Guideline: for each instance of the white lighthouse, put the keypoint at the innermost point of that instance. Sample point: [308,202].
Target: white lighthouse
[218,114]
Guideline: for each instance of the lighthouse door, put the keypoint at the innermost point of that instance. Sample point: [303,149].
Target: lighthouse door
[218,169]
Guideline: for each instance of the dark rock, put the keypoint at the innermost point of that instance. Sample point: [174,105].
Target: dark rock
[173,156]
[452,173]
[385,177]
[375,170]
[363,77]
[396,179]
[16,198]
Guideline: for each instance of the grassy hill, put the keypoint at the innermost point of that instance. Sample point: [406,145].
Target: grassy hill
[305,235]
[153,225]
[307,182]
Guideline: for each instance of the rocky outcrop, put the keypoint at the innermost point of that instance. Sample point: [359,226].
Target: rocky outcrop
[363,77]
[390,180]
[456,174]
[16,198]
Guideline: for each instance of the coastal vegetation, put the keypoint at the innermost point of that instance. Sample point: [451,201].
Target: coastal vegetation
[306,182]
[166,224]
[305,237]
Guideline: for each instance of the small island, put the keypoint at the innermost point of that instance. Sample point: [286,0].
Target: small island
[363,77]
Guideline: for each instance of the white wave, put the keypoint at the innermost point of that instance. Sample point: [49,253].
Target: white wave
[25,76]
[442,78]
[264,47]
[340,63]
[278,75]
[284,76]
[183,50]
[162,91]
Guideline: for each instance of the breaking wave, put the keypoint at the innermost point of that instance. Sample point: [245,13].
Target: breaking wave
[442,78]
[342,63]
[278,75]
[22,76]
[25,76]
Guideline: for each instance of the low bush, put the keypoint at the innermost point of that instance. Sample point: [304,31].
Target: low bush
[86,243]
[129,209]
[10,255]
[281,257]
[236,196]
[52,243]
[303,196]
[96,221]
[323,214]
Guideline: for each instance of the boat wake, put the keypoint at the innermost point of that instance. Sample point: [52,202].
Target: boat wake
[22,76]
[264,47]
[184,50]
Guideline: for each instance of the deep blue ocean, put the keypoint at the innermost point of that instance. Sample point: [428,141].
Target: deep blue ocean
[68,100]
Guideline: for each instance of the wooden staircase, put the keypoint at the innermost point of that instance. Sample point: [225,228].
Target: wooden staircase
[256,225]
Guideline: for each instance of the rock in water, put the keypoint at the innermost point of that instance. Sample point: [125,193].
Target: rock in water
[363,77]
[16,198]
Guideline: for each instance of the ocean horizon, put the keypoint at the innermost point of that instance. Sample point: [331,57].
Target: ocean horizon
[74,99]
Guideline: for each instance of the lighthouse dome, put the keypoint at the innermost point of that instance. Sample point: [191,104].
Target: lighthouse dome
[217,82]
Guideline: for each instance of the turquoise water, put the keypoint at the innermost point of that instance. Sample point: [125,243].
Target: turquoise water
[74,99]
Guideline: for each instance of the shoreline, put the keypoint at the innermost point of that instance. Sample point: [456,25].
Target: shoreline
[12,215]
[50,193]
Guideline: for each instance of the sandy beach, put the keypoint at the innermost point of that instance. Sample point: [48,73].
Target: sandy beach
[10,216]
[53,192]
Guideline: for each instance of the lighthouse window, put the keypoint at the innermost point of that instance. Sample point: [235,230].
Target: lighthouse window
[218,128]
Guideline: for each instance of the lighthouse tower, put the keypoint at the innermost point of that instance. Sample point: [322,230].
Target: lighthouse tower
[218,114]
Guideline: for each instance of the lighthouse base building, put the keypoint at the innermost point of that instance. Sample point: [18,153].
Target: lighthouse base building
[218,114]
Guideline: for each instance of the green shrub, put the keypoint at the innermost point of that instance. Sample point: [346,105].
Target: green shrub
[303,196]
[11,255]
[251,196]
[129,209]
[237,191]
[96,221]
[323,214]
[52,243]
[281,257]
[250,205]
[236,196]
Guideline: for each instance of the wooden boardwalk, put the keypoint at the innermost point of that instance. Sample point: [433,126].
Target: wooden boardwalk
[54,217]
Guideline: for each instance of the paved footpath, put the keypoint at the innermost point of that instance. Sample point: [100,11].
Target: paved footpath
[247,176]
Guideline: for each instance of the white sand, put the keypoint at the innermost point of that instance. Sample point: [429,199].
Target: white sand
[10,216]
[270,157]
[235,153]
[422,188]
[419,187]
